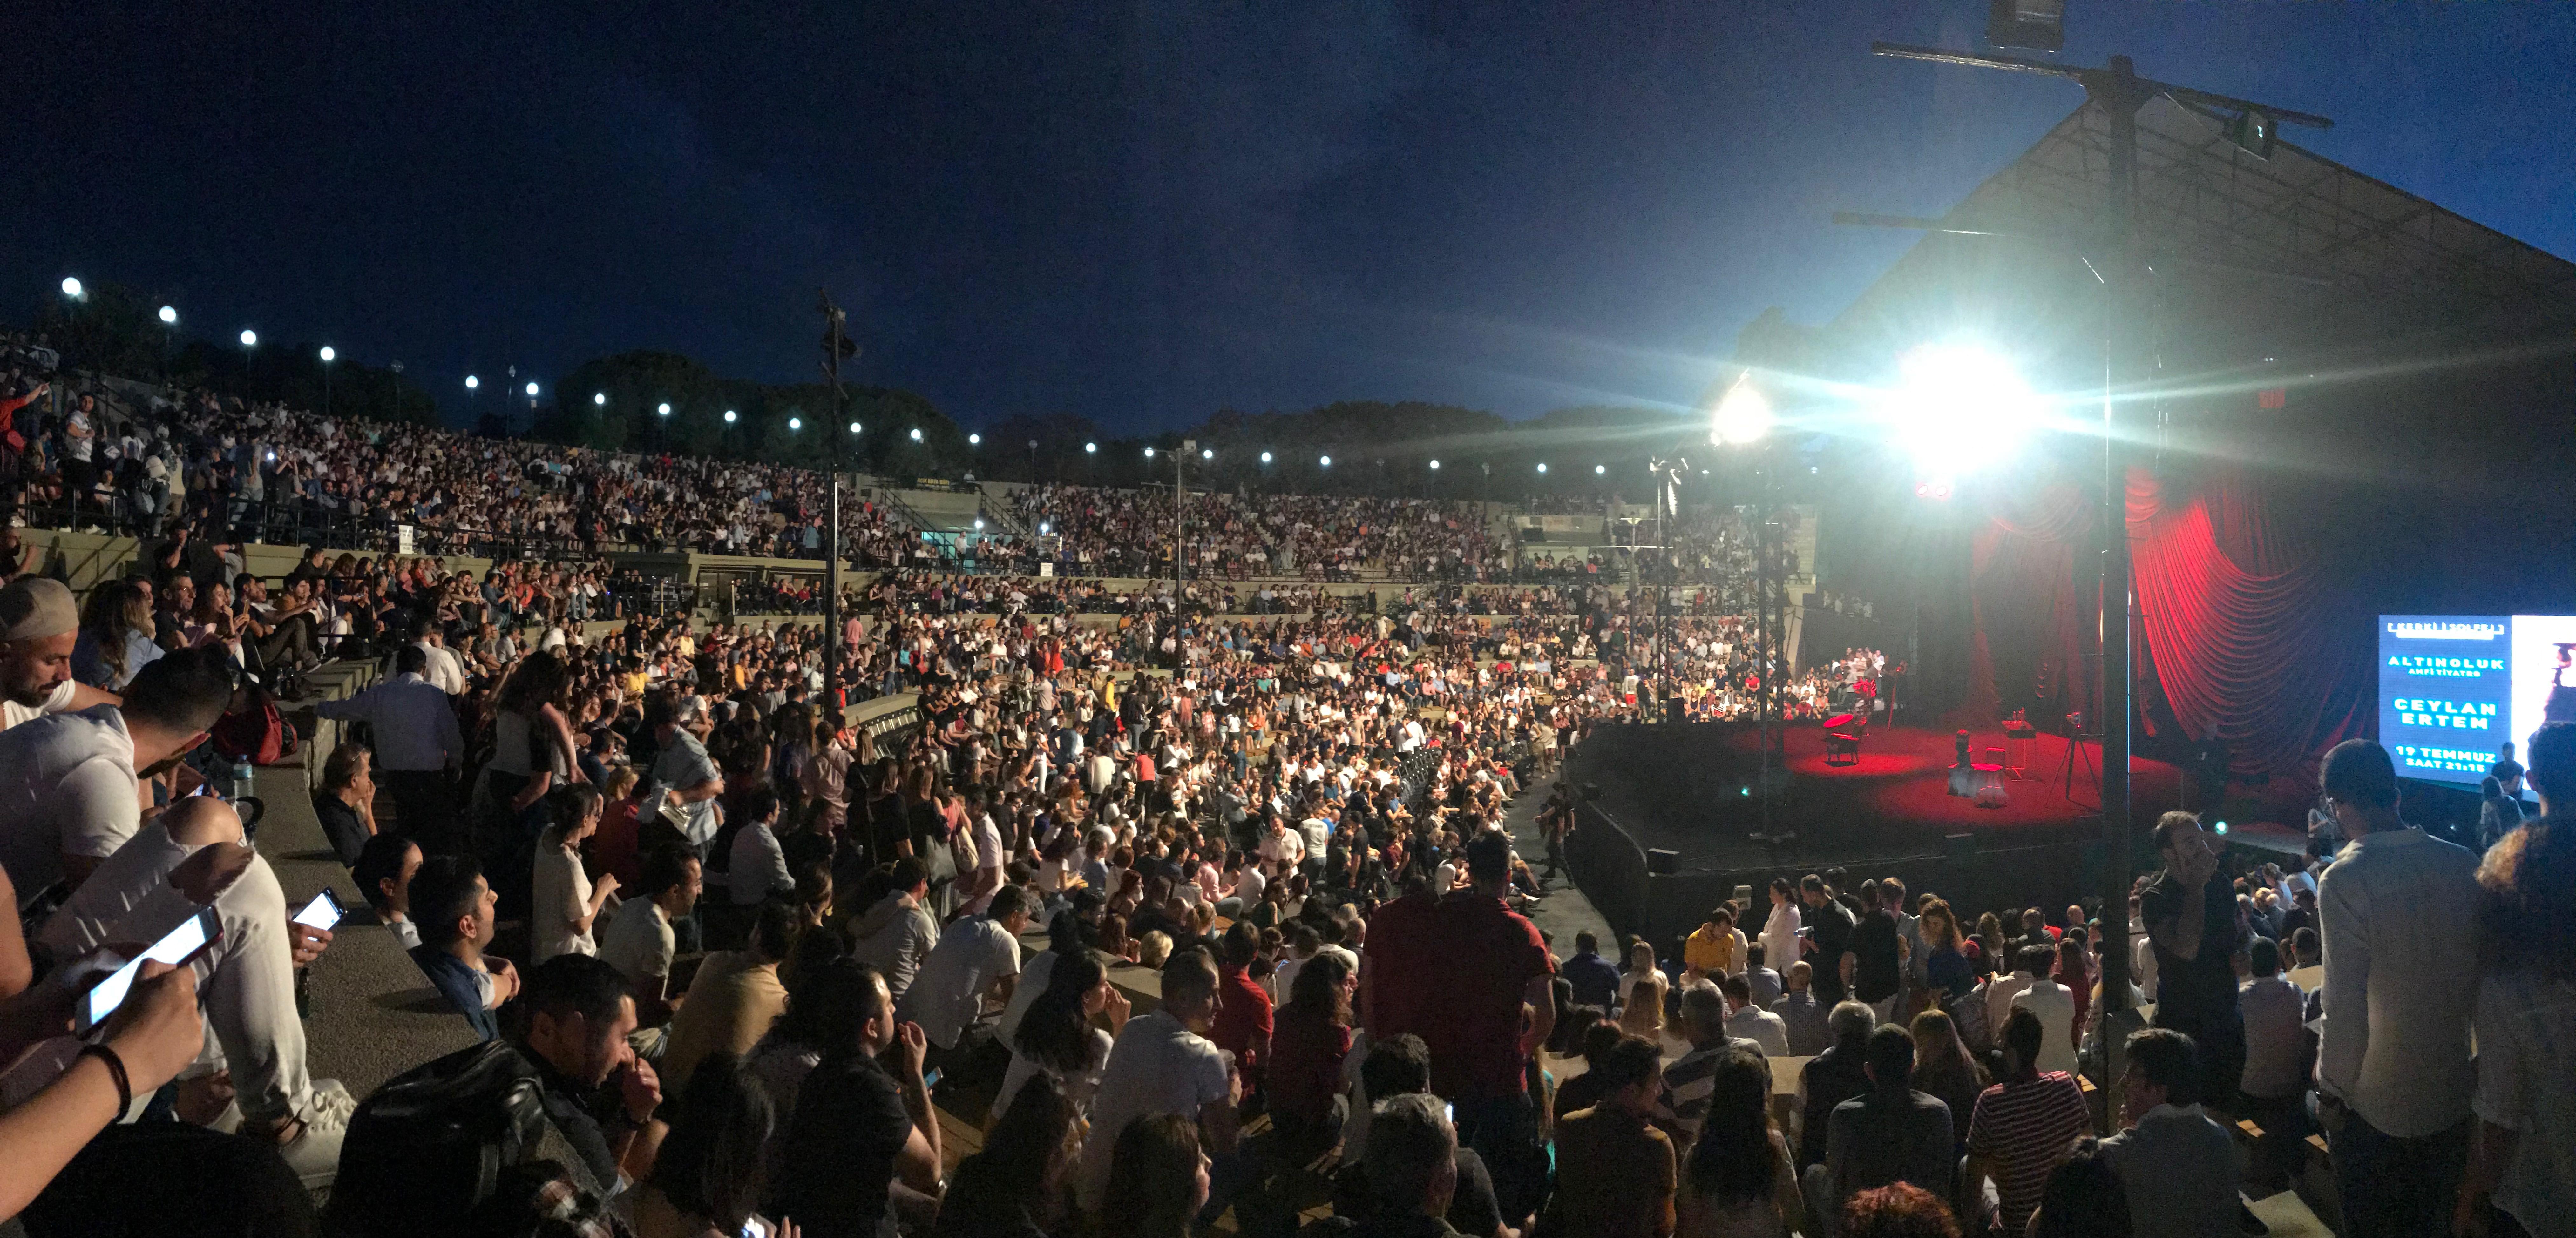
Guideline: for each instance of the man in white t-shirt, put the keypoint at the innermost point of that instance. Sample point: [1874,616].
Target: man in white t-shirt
[67,781]
[39,624]
[1164,1063]
[976,957]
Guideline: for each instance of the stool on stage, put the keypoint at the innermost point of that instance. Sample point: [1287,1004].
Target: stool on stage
[1990,791]
[1842,738]
[2019,739]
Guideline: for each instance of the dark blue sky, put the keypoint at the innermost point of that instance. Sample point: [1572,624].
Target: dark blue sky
[1138,212]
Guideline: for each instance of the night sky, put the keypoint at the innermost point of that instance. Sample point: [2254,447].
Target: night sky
[1138,212]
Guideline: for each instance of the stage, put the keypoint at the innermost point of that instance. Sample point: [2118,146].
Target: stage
[1689,790]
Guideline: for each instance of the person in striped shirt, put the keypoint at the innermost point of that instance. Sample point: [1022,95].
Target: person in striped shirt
[2024,1125]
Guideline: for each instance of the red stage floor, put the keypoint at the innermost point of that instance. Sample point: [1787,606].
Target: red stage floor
[1903,777]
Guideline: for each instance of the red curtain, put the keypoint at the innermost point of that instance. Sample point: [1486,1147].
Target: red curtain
[2243,631]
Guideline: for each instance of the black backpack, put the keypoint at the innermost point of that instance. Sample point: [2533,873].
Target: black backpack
[433,1142]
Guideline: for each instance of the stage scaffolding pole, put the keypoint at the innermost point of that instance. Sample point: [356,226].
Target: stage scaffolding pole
[835,345]
[2119,92]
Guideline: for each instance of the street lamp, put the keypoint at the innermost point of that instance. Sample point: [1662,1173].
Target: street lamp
[1324,462]
[854,427]
[249,338]
[1207,453]
[1599,469]
[532,391]
[1089,449]
[472,383]
[169,315]
[1542,466]
[1149,453]
[916,434]
[974,440]
[329,355]
[795,424]
[729,416]
[1265,457]
[1435,466]
[72,287]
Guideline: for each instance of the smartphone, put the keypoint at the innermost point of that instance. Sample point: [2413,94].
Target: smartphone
[178,947]
[324,912]
[930,1077]
[754,1227]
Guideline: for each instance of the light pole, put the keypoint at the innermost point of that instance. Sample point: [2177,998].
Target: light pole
[836,346]
[2119,92]
[1743,418]
[328,355]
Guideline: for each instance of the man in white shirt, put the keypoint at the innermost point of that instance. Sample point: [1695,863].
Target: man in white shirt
[1747,1020]
[39,625]
[640,942]
[1163,1063]
[2394,1074]
[898,932]
[2178,1166]
[68,796]
[418,744]
[2054,1003]
[2001,990]
[441,667]
[976,957]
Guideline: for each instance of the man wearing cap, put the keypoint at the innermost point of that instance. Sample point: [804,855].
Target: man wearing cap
[67,781]
[39,625]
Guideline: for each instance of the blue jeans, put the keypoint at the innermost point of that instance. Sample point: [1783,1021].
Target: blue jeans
[2391,1186]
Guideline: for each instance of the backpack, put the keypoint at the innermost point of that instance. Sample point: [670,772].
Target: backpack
[432,1143]
[258,734]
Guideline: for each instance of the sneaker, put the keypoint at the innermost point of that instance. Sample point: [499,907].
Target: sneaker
[314,1154]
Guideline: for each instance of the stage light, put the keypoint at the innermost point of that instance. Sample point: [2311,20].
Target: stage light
[1435,466]
[795,424]
[974,440]
[979,524]
[72,287]
[532,391]
[728,416]
[249,338]
[1746,792]
[1957,407]
[169,315]
[329,354]
[1743,415]
[2222,827]
[1938,489]
[471,382]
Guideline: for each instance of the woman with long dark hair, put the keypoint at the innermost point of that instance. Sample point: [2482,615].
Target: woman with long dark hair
[1308,1040]
[708,1176]
[1020,1185]
[1056,1039]
[1740,1182]
[563,903]
[1158,1179]
[1944,1068]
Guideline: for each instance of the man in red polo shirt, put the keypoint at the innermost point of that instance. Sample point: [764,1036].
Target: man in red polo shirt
[1243,1014]
[1472,980]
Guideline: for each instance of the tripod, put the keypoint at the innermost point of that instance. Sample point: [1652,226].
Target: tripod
[2077,753]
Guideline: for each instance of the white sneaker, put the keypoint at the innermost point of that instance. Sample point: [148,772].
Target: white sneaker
[315,1154]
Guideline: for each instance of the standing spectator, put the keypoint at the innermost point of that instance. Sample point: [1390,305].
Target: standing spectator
[683,776]
[1890,1133]
[2524,1164]
[2023,1125]
[2177,1167]
[860,1123]
[1615,1169]
[1780,931]
[1163,1064]
[2054,1003]
[1944,1068]
[1878,949]
[756,869]
[1741,1182]
[418,745]
[2394,1077]
[1831,924]
[2196,925]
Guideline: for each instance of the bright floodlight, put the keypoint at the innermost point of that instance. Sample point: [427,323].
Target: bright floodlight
[1326,462]
[1149,453]
[471,382]
[170,315]
[532,391]
[854,427]
[249,337]
[979,523]
[795,423]
[1743,415]
[1957,407]
[974,440]
[1265,457]
[1044,527]
[72,287]
[1599,469]
[728,416]
[1435,466]
[330,354]
[1090,448]
[1207,453]
[916,434]
[1542,466]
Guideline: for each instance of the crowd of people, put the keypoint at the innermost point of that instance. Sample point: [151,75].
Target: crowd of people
[1102,532]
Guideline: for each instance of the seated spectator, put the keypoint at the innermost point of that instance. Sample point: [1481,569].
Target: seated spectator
[2083,1198]
[2177,1167]
[977,958]
[1944,1068]
[1740,1180]
[1838,1074]
[2052,1002]
[1642,989]
[1900,1211]
[115,635]
[1158,1178]
[1163,1064]
[2274,1087]
[1615,1169]
[1308,1042]
[758,869]
[641,943]
[1397,1067]
[1411,1171]
[1715,948]
[1684,1096]
[346,802]
[860,1125]
[39,628]
[898,931]
[736,995]
[708,1174]
[599,1095]
[1888,1134]
[1803,1017]
[563,902]
[76,771]
[1245,1016]
[1595,980]
[1762,981]
[1021,1184]
[383,872]
[457,920]
[2023,1125]
[1061,1045]
[1746,1020]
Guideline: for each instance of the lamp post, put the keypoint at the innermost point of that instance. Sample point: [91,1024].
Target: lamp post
[328,355]
[1743,419]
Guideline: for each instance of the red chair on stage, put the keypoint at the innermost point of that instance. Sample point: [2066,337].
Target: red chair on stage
[1843,734]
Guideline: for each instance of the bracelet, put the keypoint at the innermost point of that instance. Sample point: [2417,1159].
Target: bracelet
[115,1070]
